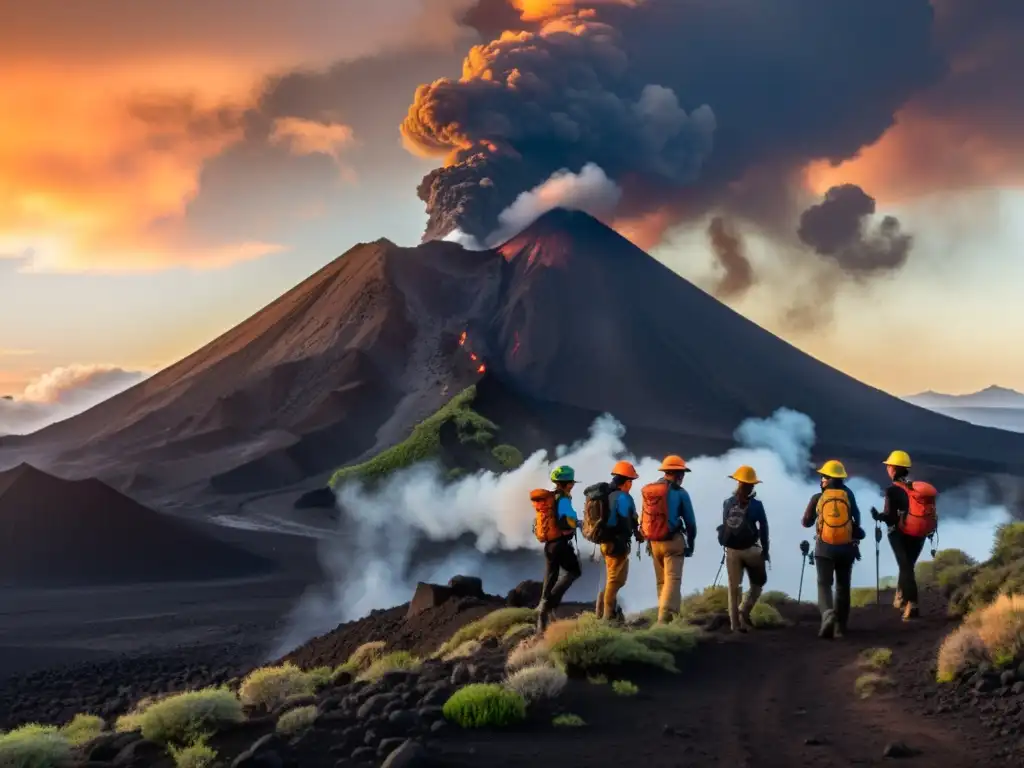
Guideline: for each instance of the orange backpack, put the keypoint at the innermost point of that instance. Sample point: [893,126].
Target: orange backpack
[545,523]
[835,521]
[654,514]
[921,519]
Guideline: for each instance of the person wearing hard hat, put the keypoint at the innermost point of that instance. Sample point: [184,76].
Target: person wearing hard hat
[621,528]
[906,547]
[668,525]
[555,526]
[836,518]
[744,535]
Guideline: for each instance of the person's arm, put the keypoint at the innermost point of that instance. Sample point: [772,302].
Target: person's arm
[811,511]
[566,514]
[859,533]
[689,519]
[762,528]
[634,519]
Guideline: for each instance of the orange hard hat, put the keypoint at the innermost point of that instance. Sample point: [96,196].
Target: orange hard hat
[625,469]
[673,464]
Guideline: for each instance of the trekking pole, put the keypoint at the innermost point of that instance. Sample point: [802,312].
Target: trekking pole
[719,574]
[878,582]
[804,549]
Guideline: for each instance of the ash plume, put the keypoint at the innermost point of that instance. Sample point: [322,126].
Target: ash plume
[838,228]
[676,101]
[727,245]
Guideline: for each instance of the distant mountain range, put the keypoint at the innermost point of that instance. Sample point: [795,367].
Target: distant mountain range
[991,407]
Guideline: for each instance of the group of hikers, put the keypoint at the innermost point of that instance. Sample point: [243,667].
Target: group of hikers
[666,523]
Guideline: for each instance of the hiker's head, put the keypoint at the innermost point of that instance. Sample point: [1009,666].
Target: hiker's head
[564,478]
[897,466]
[623,475]
[832,470]
[674,468]
[746,479]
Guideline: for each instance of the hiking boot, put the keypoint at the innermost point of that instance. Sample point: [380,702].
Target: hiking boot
[745,622]
[897,602]
[828,625]
[839,632]
[910,611]
[739,628]
[543,618]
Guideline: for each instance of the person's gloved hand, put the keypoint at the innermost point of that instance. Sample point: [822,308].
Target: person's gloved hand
[688,552]
[767,557]
[875,515]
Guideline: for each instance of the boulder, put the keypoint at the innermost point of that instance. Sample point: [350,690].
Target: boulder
[467,586]
[427,596]
[141,752]
[375,705]
[364,755]
[525,595]
[387,746]
[410,754]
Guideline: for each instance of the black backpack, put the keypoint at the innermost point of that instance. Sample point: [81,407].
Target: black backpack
[596,511]
[737,531]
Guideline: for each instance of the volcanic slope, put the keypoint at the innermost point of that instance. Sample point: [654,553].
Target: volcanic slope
[310,382]
[61,533]
[588,320]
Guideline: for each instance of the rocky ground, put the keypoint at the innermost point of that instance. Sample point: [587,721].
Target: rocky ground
[769,698]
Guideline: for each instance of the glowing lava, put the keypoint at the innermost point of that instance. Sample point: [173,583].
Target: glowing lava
[481,368]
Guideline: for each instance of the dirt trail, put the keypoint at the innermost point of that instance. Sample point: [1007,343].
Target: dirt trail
[773,698]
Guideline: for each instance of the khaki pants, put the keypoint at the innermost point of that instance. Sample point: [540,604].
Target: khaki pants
[617,570]
[668,573]
[738,561]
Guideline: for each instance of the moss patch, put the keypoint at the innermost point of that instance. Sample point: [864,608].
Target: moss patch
[424,443]
[485,705]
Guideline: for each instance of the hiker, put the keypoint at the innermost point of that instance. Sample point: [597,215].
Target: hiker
[837,539]
[744,535]
[909,515]
[668,526]
[620,528]
[554,526]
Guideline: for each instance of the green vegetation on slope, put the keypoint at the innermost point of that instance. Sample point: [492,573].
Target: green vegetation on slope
[424,443]
[972,585]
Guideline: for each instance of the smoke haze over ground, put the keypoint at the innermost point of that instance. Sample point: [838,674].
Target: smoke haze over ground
[370,559]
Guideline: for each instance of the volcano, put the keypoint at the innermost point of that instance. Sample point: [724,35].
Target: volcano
[568,319]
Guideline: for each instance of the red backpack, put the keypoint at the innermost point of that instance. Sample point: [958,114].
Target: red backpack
[921,519]
[654,515]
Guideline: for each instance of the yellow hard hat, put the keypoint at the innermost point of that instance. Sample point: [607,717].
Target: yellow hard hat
[745,475]
[833,468]
[898,459]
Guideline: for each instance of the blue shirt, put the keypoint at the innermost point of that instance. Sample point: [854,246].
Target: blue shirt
[680,507]
[755,514]
[830,551]
[622,509]
[567,519]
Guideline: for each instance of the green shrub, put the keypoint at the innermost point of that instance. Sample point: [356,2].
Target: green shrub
[871,683]
[455,473]
[270,687]
[424,443]
[888,582]
[568,720]
[711,601]
[517,632]
[494,624]
[765,616]
[876,658]
[485,705]
[508,456]
[362,657]
[185,717]
[598,679]
[320,677]
[198,754]
[625,688]
[863,596]
[1009,543]
[673,638]
[774,597]
[392,662]
[927,572]
[594,645]
[295,720]
[34,746]
[527,653]
[463,651]
[82,729]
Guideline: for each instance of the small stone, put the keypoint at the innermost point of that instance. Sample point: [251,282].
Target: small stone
[364,755]
[1007,678]
[900,750]
[374,705]
[403,719]
[387,746]
[985,685]
[437,695]
[371,739]
[410,754]
[1017,688]
[439,727]
[462,674]
[140,752]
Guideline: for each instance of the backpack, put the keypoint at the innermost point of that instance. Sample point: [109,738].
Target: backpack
[654,515]
[596,513]
[545,523]
[921,519]
[737,531]
[835,522]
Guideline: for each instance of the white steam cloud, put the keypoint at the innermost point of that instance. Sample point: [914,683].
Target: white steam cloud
[62,393]
[590,191]
[371,558]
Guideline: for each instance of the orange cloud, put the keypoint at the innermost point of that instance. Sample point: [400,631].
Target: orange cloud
[308,137]
[539,10]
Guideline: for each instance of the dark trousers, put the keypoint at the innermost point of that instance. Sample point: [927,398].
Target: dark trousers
[561,569]
[906,549]
[840,570]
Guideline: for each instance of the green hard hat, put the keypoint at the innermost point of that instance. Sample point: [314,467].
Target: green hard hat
[563,474]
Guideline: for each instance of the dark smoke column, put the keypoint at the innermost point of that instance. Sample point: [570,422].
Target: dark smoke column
[533,103]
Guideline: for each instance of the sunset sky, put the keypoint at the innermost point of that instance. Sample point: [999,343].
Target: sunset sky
[168,168]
